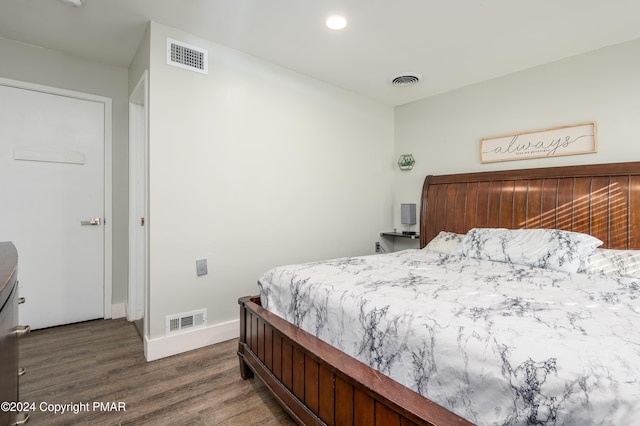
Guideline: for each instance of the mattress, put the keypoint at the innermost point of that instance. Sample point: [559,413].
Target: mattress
[496,343]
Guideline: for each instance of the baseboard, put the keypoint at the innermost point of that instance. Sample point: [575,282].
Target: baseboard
[118,310]
[172,345]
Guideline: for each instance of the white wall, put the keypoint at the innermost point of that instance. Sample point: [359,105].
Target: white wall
[254,166]
[443,132]
[47,67]
[140,62]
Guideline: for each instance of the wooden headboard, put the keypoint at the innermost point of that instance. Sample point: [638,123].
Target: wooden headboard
[602,200]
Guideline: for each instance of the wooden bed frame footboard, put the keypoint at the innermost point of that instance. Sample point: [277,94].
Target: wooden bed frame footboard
[318,384]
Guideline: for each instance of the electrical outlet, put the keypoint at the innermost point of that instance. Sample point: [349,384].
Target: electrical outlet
[377,247]
[201,267]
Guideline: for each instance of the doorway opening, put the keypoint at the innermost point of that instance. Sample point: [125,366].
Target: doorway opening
[138,205]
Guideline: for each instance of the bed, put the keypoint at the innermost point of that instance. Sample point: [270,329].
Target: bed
[320,384]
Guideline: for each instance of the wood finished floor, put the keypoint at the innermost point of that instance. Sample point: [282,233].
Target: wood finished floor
[103,361]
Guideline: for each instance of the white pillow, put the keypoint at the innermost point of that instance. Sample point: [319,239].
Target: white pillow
[617,263]
[445,242]
[543,248]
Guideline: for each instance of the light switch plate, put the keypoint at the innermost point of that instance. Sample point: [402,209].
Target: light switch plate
[201,267]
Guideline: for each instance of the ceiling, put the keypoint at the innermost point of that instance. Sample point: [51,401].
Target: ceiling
[452,43]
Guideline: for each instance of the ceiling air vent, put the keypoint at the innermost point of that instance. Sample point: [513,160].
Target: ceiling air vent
[405,79]
[183,55]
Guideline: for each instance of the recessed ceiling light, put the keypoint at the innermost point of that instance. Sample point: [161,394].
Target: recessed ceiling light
[336,22]
[74,3]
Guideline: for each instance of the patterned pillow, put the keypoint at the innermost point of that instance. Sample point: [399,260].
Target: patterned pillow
[543,248]
[445,242]
[617,263]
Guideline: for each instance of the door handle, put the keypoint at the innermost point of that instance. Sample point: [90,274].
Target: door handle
[94,221]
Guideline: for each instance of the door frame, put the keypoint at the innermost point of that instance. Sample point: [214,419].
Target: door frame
[107,272]
[138,306]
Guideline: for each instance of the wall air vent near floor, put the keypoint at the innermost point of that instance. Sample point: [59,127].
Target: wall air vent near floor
[186,56]
[185,321]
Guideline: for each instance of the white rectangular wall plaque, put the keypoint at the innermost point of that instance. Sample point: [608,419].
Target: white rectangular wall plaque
[553,142]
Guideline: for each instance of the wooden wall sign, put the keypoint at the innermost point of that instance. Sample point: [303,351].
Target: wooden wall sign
[553,142]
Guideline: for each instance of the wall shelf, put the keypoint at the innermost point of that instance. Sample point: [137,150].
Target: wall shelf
[400,235]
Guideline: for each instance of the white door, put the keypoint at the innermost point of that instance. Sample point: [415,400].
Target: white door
[52,185]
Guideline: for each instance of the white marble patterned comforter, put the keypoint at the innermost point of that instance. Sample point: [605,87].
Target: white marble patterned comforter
[497,343]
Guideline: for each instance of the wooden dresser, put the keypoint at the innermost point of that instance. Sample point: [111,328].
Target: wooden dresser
[9,331]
